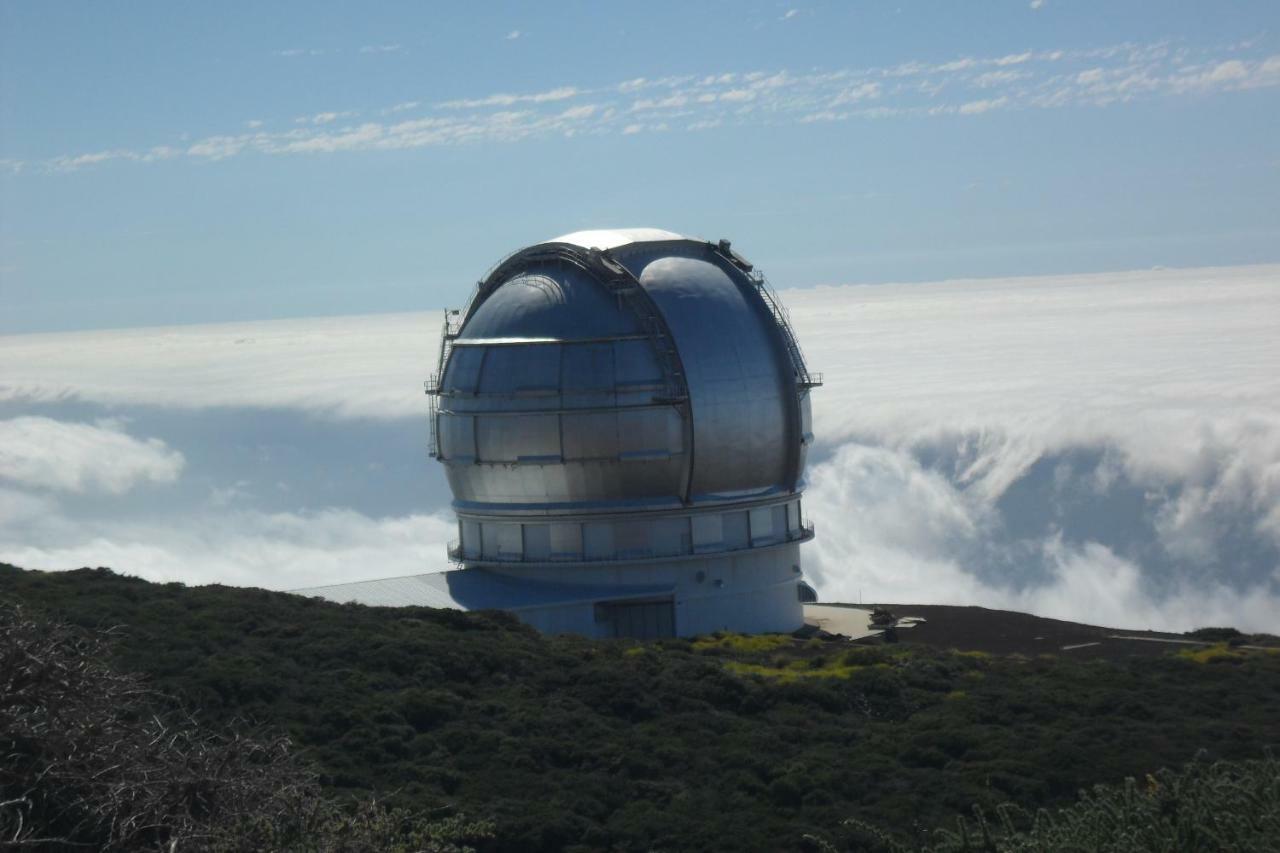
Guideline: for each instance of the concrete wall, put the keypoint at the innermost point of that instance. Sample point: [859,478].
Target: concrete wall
[749,592]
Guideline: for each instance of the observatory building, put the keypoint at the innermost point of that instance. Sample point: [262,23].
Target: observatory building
[623,418]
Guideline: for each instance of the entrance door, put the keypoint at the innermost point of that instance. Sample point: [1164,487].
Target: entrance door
[640,620]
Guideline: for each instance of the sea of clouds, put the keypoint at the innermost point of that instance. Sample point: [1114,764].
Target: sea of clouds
[1103,448]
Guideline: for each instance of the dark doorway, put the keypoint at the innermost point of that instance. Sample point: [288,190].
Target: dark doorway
[639,620]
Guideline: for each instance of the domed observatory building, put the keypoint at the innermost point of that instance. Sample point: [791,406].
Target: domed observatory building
[623,418]
[628,411]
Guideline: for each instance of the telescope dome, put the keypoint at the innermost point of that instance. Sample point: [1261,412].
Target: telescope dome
[616,396]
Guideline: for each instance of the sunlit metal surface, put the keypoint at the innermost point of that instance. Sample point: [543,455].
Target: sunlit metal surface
[630,407]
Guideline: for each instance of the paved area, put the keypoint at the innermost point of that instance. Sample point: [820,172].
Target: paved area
[852,622]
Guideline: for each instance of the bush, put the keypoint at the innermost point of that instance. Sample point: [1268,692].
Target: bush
[94,759]
[1222,806]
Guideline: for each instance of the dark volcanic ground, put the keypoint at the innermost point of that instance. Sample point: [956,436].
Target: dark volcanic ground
[1007,632]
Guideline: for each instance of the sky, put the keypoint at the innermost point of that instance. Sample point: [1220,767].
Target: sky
[1032,247]
[173,163]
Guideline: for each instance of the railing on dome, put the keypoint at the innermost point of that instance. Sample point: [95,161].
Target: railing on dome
[804,379]
[458,556]
[675,388]
[448,334]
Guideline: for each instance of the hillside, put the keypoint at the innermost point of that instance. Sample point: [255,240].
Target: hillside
[743,743]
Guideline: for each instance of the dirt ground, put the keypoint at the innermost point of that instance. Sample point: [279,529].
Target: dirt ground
[1006,632]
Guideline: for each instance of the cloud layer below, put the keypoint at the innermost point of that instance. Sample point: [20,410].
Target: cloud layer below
[42,453]
[1103,448]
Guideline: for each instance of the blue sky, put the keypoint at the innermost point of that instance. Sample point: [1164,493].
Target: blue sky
[185,163]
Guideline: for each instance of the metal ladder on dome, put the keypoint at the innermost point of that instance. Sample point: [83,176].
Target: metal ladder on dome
[622,283]
[448,334]
[804,378]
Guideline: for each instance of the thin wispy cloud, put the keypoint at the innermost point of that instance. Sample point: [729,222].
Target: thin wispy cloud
[512,36]
[968,86]
[381,48]
[403,106]
[506,100]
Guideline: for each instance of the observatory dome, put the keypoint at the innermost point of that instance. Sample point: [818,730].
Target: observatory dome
[629,406]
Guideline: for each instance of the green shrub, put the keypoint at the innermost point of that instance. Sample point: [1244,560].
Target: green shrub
[1221,806]
[95,759]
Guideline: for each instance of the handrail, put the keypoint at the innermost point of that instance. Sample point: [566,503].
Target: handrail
[804,378]
[456,553]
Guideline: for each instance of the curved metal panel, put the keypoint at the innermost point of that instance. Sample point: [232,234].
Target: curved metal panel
[738,388]
[621,372]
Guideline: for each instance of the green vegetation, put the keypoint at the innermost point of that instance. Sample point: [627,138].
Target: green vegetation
[741,643]
[95,760]
[1228,807]
[573,744]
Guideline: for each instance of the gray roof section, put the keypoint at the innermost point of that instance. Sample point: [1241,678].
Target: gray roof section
[474,589]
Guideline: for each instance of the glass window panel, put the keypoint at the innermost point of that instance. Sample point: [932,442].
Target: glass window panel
[735,530]
[761,525]
[631,539]
[597,540]
[671,537]
[489,541]
[566,541]
[471,539]
[708,532]
[537,542]
[510,544]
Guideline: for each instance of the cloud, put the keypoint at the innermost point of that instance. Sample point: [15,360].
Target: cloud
[403,106]
[38,452]
[1102,448]
[789,14]
[381,48]
[1036,4]
[981,106]
[219,147]
[347,367]
[273,550]
[990,79]
[512,36]
[505,100]
[1133,481]
[959,86]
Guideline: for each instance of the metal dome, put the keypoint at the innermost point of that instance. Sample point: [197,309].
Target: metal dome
[617,396]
